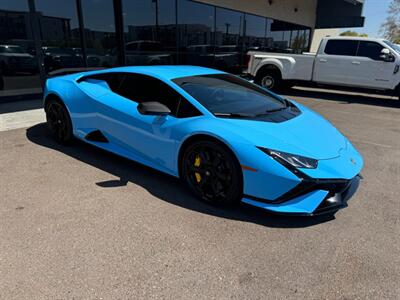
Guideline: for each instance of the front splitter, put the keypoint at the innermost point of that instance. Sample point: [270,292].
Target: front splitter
[317,202]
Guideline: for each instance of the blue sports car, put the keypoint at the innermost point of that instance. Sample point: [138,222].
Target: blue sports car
[229,140]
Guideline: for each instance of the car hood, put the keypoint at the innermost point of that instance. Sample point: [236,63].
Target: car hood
[308,135]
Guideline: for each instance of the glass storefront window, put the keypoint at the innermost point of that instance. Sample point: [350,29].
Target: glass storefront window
[229,51]
[99,33]
[200,34]
[18,62]
[150,32]
[286,37]
[196,33]
[59,34]
[255,32]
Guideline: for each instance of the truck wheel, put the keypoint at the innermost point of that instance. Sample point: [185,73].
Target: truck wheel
[269,79]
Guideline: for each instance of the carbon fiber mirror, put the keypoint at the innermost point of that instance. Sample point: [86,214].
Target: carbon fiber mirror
[153,108]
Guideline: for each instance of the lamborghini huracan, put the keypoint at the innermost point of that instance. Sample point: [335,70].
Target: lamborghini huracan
[229,140]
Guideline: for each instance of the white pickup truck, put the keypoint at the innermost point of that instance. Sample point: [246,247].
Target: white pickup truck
[356,63]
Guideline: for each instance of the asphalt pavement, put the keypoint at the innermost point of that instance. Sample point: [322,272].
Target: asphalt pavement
[79,223]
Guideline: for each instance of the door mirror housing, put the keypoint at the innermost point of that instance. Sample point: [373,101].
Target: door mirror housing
[153,109]
[386,55]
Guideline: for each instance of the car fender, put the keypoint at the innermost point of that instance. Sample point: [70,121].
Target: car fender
[256,165]
[283,63]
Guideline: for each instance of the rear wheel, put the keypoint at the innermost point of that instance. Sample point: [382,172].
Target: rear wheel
[270,79]
[59,122]
[212,173]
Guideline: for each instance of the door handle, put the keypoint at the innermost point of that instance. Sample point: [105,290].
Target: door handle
[355,62]
[323,60]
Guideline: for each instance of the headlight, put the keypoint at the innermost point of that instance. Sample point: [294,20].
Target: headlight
[291,160]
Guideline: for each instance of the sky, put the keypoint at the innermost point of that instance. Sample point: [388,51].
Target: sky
[375,12]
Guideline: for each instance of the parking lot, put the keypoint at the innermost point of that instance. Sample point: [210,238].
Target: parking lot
[79,223]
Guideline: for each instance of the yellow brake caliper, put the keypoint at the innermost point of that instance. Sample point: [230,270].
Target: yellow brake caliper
[197,163]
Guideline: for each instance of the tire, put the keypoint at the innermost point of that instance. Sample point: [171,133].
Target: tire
[212,173]
[270,79]
[59,122]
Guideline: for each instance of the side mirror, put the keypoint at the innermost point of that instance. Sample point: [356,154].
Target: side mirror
[386,55]
[153,108]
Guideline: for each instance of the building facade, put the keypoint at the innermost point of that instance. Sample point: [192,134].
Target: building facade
[70,34]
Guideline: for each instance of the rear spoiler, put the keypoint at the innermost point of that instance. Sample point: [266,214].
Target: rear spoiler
[68,71]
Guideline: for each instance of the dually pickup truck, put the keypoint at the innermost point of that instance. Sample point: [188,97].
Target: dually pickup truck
[355,63]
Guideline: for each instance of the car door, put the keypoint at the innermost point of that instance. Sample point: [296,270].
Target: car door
[332,65]
[369,70]
[149,139]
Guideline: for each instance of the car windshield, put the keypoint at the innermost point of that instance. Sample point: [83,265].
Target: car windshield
[229,95]
[394,46]
[11,49]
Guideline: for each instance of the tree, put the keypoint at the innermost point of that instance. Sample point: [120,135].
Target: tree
[353,33]
[391,27]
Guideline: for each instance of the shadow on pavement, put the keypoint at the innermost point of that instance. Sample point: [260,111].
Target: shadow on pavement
[342,96]
[162,186]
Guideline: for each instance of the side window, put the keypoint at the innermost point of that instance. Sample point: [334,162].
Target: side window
[113,79]
[187,110]
[370,49]
[341,47]
[142,88]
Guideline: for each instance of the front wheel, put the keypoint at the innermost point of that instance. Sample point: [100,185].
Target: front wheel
[212,172]
[59,122]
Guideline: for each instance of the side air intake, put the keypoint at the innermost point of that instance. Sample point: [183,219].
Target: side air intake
[96,136]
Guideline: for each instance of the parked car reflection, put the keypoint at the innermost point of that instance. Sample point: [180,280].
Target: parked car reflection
[14,59]
[143,52]
[147,52]
[58,58]
[232,58]
[226,58]
[94,58]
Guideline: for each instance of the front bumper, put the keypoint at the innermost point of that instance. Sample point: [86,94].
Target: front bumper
[313,197]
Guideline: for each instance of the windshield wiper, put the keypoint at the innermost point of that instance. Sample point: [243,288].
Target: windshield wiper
[269,111]
[275,110]
[233,115]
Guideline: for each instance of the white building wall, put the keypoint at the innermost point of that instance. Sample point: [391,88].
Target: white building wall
[283,10]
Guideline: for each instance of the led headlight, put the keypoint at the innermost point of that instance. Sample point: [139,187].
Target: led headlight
[291,160]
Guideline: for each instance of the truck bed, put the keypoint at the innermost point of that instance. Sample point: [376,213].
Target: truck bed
[296,66]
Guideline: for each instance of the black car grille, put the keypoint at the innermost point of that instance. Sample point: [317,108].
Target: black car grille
[333,186]
[308,185]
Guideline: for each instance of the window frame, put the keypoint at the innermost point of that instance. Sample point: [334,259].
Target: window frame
[342,40]
[371,42]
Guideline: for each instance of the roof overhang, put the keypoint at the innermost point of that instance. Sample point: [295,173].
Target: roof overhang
[339,14]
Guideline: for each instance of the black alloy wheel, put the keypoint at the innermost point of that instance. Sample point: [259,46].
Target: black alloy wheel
[212,173]
[59,122]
